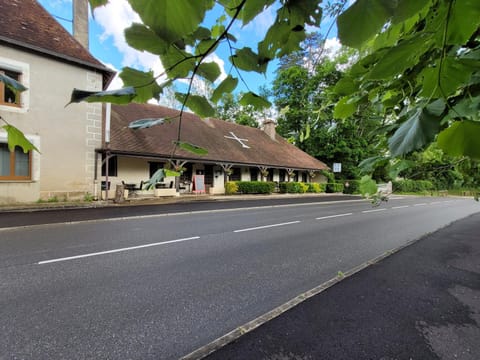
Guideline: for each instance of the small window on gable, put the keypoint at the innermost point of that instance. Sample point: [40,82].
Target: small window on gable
[8,96]
[15,165]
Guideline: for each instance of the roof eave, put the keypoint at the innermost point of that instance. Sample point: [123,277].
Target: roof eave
[109,74]
[206,161]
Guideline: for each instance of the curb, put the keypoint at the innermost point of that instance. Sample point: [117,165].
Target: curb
[235,334]
[33,207]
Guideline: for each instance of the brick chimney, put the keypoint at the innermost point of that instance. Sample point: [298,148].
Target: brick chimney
[80,22]
[269,128]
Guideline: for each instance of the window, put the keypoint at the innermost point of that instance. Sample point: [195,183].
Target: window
[8,96]
[15,165]
[112,165]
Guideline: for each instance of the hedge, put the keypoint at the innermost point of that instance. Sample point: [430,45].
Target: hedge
[293,187]
[255,187]
[352,188]
[408,185]
[334,187]
[316,187]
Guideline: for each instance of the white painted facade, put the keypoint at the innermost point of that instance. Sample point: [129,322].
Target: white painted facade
[131,170]
[66,136]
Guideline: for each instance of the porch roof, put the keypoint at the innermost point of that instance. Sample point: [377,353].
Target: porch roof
[222,139]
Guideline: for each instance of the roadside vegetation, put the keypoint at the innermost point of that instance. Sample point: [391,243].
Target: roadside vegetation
[399,102]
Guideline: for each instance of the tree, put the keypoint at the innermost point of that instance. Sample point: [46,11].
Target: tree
[307,119]
[420,67]
[229,109]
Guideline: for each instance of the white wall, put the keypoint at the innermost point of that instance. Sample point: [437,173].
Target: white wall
[68,135]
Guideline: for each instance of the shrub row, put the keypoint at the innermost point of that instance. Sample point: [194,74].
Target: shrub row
[412,185]
[334,187]
[262,187]
[301,188]
[293,187]
[255,187]
[352,188]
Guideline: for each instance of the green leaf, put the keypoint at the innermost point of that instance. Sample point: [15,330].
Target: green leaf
[210,71]
[178,63]
[362,21]
[419,130]
[345,86]
[369,165]
[205,47]
[436,107]
[281,39]
[468,108]
[142,38]
[399,58]
[15,137]
[461,139]
[97,3]
[464,21]
[172,20]
[145,85]
[226,86]
[398,167]
[145,123]
[169,172]
[252,8]
[254,100]
[246,59]
[344,108]
[13,84]
[445,81]
[408,8]
[198,104]
[120,96]
[192,148]
[367,186]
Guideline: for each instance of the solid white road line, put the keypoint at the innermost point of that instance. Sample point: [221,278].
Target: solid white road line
[266,226]
[370,211]
[401,207]
[333,216]
[117,250]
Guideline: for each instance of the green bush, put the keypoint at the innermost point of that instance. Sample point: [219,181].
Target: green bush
[334,187]
[411,186]
[315,188]
[255,187]
[352,188]
[231,187]
[297,187]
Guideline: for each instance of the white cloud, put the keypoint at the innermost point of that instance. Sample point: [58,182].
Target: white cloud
[115,17]
[332,46]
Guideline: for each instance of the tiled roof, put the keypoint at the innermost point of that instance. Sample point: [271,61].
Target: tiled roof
[27,24]
[207,133]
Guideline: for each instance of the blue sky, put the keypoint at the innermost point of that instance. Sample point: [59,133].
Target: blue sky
[108,44]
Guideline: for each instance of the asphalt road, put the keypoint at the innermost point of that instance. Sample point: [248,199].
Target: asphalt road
[158,286]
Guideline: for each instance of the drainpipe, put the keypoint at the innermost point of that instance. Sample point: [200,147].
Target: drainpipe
[108,112]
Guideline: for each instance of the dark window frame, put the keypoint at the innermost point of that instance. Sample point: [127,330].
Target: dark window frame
[16,75]
[13,155]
